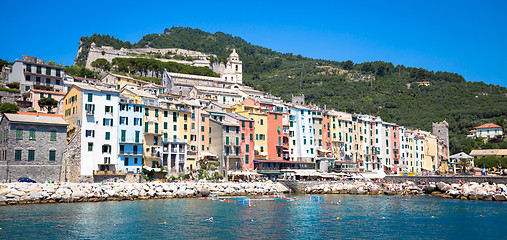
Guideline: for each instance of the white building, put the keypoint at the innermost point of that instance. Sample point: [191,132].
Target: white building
[33,73]
[301,137]
[93,112]
[130,133]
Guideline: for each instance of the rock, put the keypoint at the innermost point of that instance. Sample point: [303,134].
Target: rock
[159,189]
[499,197]
[441,185]
[166,188]
[151,192]
[204,192]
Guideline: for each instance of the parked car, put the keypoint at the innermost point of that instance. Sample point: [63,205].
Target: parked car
[25,179]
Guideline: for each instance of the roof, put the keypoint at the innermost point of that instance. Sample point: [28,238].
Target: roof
[239,117]
[460,155]
[489,152]
[50,92]
[36,118]
[216,90]
[472,131]
[488,125]
[141,93]
[96,88]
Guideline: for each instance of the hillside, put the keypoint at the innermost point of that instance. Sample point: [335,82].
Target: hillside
[377,88]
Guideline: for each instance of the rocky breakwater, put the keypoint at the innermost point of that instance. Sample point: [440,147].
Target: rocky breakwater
[24,193]
[471,191]
[362,187]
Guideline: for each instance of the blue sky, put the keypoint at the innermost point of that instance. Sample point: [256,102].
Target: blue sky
[466,37]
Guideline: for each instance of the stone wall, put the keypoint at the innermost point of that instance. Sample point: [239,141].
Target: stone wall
[41,168]
[449,180]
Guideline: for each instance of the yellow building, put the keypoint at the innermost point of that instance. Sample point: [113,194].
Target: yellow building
[249,108]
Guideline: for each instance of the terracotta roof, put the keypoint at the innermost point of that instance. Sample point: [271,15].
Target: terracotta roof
[51,92]
[488,125]
[36,118]
[472,131]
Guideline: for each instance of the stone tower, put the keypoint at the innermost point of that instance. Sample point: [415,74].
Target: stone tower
[441,130]
[298,99]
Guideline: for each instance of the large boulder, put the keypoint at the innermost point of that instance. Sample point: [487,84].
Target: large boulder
[441,185]
[499,197]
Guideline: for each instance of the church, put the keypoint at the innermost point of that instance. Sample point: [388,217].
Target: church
[231,77]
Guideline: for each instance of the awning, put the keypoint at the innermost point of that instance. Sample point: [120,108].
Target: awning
[242,173]
[207,154]
[323,150]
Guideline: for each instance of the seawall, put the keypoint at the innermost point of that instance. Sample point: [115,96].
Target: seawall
[448,180]
[26,193]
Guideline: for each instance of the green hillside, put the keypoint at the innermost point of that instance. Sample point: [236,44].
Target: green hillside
[377,88]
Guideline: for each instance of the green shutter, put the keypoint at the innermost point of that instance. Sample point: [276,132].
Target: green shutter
[19,134]
[32,134]
[17,155]
[90,97]
[108,135]
[31,155]
[52,155]
[53,135]
[137,136]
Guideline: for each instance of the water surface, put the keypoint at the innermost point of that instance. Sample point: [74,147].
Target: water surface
[361,217]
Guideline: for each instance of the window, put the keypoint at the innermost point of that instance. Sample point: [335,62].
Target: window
[137,122]
[106,148]
[262,121]
[29,68]
[108,135]
[58,73]
[108,96]
[27,88]
[90,146]
[243,123]
[90,133]
[251,136]
[237,140]
[250,124]
[165,125]
[185,127]
[52,155]
[156,127]
[48,71]
[90,97]
[126,161]
[19,134]
[39,69]
[37,79]
[90,108]
[185,117]
[203,119]
[137,136]
[53,135]
[247,148]
[156,112]
[27,78]
[109,109]
[107,122]
[31,155]
[122,120]
[32,135]
[123,135]
[17,155]
[246,159]
[146,111]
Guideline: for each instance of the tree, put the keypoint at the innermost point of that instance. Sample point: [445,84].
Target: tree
[51,63]
[13,85]
[102,64]
[8,108]
[48,103]
[348,65]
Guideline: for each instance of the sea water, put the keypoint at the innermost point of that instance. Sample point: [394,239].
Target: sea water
[336,217]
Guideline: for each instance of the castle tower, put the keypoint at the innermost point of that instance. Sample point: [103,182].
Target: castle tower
[234,69]
[441,130]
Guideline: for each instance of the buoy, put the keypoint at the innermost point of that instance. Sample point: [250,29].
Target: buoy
[283,204]
[337,218]
[331,202]
[296,203]
[480,215]
[268,204]
[432,216]
[165,223]
[339,201]
[254,205]
[58,225]
[308,202]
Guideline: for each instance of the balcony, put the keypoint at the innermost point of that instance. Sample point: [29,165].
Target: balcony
[131,153]
[131,140]
[90,113]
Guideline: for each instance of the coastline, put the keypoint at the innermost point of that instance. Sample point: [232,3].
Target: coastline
[34,193]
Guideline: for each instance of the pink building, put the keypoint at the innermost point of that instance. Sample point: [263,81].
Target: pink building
[36,95]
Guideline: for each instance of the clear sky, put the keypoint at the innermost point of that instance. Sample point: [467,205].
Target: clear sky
[466,37]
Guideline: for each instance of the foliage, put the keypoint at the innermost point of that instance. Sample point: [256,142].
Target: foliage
[376,88]
[491,162]
[13,85]
[78,71]
[9,90]
[145,65]
[102,64]
[48,103]
[8,108]
[3,63]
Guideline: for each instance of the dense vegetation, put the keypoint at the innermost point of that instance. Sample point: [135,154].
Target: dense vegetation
[377,88]
[146,65]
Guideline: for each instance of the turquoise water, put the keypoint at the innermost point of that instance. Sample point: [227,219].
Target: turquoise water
[361,217]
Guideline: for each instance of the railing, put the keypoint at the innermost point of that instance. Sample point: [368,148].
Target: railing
[130,153]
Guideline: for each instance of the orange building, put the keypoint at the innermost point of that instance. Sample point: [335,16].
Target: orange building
[275,135]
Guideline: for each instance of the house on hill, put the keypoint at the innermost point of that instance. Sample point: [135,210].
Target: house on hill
[488,130]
